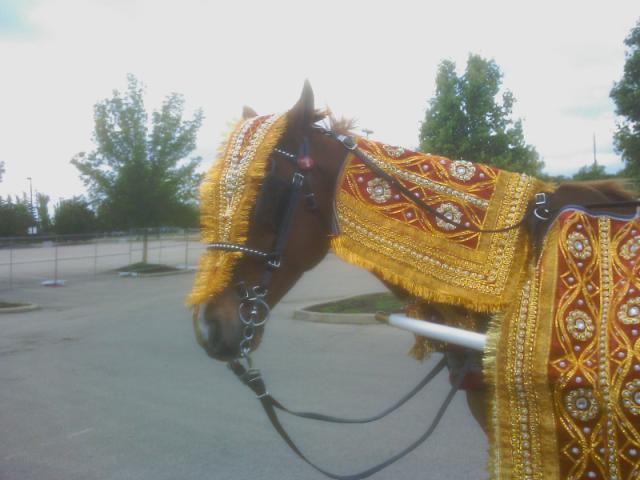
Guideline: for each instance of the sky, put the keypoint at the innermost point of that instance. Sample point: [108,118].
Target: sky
[374,61]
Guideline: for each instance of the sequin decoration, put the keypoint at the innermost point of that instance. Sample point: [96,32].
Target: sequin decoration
[580,325]
[629,312]
[379,190]
[392,151]
[452,213]
[631,397]
[579,245]
[582,404]
[462,170]
[630,249]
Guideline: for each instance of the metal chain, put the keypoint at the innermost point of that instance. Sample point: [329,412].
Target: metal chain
[253,312]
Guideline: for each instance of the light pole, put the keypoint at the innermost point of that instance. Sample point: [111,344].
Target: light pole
[33,217]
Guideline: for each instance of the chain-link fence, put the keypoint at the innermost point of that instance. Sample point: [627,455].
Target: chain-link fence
[54,259]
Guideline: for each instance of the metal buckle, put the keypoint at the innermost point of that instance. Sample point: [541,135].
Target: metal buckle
[541,198]
[348,142]
[274,262]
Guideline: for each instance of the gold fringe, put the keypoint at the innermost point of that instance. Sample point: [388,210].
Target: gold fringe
[216,268]
[358,255]
[489,368]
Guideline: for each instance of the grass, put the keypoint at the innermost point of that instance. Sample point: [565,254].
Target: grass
[371,303]
[141,267]
[12,304]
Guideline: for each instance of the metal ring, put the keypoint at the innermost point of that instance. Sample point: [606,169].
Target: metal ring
[542,213]
[249,331]
[253,311]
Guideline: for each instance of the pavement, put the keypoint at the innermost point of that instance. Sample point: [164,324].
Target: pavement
[106,382]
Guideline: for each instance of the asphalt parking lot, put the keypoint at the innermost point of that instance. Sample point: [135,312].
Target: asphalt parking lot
[107,382]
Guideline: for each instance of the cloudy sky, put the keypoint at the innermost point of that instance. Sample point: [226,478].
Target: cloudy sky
[375,61]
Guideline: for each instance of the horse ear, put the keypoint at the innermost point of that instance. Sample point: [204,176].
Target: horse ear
[303,113]
[248,112]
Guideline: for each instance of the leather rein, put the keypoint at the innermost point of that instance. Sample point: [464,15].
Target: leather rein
[253,310]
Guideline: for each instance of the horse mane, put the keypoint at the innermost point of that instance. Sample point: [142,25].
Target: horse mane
[617,189]
[342,125]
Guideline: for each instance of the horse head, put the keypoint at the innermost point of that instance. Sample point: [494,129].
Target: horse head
[288,228]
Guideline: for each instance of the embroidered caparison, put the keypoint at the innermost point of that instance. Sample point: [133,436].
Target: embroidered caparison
[227,197]
[435,260]
[562,362]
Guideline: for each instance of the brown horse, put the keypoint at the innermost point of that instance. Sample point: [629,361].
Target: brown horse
[220,330]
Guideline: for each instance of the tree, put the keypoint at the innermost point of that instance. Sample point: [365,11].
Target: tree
[42,208]
[626,96]
[15,217]
[73,216]
[595,171]
[139,174]
[466,120]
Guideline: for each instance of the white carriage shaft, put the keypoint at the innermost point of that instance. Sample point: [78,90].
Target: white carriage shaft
[436,331]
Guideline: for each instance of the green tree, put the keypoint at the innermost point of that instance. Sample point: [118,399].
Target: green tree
[626,96]
[42,209]
[139,174]
[595,171]
[469,118]
[15,217]
[73,216]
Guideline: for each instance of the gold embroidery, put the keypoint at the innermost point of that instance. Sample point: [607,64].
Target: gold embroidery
[425,255]
[579,392]
[227,196]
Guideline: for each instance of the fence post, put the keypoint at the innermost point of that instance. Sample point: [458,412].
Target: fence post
[95,257]
[55,262]
[186,249]
[10,264]
[130,247]
[160,249]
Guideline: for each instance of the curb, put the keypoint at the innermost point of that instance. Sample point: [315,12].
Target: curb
[23,308]
[335,318]
[157,274]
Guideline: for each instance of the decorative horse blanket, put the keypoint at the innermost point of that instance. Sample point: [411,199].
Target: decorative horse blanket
[391,236]
[564,361]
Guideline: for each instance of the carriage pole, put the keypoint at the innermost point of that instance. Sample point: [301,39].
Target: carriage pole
[436,331]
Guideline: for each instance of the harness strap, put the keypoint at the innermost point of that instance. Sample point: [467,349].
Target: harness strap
[254,381]
[249,378]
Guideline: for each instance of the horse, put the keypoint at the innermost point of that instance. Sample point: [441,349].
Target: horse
[291,222]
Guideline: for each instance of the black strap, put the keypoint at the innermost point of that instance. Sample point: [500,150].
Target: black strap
[253,379]
[249,378]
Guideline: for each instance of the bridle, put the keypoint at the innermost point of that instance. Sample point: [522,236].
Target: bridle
[253,310]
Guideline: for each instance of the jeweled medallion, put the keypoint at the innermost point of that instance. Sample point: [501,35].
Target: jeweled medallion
[462,170]
[629,312]
[580,325]
[582,404]
[379,190]
[451,212]
[579,245]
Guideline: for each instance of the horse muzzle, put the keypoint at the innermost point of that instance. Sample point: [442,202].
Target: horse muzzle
[229,334]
